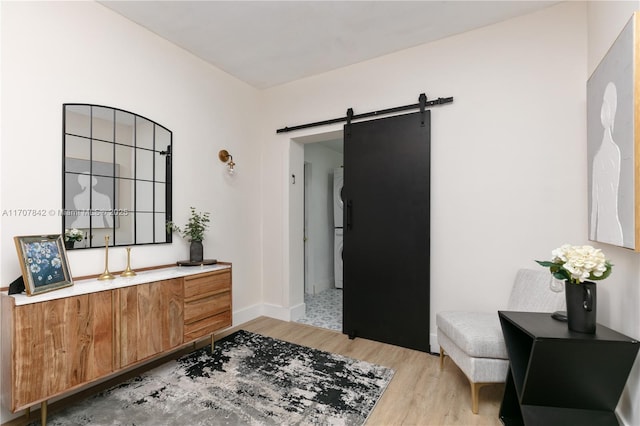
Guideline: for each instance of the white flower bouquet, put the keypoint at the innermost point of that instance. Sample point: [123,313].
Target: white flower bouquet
[577,264]
[73,235]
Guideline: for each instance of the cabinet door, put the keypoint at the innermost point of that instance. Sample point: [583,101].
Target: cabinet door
[151,319]
[60,344]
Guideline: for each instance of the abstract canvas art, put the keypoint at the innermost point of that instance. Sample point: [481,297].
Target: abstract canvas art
[612,144]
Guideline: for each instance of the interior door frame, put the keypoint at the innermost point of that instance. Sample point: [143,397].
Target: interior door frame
[308,253]
[293,204]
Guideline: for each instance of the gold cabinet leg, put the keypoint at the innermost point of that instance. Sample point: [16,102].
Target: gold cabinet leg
[43,413]
[212,343]
[27,412]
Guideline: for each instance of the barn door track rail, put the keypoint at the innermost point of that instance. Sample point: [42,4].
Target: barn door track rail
[422,104]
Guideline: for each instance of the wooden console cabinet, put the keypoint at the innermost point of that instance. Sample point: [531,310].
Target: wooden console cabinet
[61,341]
[207,301]
[57,345]
[150,320]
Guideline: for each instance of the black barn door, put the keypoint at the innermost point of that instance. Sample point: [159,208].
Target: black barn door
[386,230]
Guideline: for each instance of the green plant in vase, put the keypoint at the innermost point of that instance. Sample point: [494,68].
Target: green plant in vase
[193,231]
[71,236]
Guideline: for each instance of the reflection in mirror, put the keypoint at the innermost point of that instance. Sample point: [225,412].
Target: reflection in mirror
[125,128]
[117,176]
[78,120]
[124,159]
[161,229]
[102,123]
[144,165]
[163,136]
[144,230]
[144,133]
[161,167]
[79,149]
[124,232]
[102,159]
[144,196]
[160,193]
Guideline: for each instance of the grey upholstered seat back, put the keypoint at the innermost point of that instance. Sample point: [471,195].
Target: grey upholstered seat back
[531,292]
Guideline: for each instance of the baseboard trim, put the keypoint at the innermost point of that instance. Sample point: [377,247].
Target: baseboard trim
[293,313]
[433,343]
[249,313]
[323,285]
[298,311]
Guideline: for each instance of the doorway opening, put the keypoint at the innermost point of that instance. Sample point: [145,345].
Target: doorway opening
[386,216]
[323,160]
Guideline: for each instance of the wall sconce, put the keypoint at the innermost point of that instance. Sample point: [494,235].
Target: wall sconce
[225,157]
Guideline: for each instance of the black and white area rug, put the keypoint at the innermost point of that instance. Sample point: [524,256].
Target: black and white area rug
[249,379]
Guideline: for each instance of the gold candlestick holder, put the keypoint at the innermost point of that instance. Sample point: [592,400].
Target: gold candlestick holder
[106,275]
[128,272]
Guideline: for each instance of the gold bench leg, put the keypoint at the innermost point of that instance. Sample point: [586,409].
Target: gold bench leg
[442,355]
[475,395]
[475,390]
[43,413]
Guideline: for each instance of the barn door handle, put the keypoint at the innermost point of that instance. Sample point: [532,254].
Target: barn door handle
[349,214]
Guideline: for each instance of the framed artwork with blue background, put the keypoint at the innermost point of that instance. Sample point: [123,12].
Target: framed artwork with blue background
[43,261]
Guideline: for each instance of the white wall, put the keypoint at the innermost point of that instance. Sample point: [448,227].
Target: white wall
[57,52]
[320,230]
[501,152]
[508,157]
[619,295]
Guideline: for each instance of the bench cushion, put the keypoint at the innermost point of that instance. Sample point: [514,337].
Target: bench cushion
[478,334]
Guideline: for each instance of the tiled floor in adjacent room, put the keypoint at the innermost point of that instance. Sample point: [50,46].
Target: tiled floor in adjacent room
[324,309]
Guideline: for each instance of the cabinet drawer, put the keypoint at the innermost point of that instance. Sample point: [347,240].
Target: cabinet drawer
[206,284]
[207,326]
[198,309]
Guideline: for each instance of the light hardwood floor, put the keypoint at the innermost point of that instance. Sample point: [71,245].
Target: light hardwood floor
[419,394]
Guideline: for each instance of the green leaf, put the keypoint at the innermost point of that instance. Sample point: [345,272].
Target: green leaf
[562,275]
[605,274]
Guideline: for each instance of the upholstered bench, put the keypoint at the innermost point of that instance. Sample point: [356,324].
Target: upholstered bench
[474,341]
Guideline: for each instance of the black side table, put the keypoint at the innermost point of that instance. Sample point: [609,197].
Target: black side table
[560,377]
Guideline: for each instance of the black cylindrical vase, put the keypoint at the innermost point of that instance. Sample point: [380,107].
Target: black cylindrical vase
[581,306]
[196,251]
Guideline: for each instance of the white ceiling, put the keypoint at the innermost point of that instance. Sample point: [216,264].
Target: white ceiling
[267,43]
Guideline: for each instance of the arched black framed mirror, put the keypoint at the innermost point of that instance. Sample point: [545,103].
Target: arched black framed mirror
[116,176]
